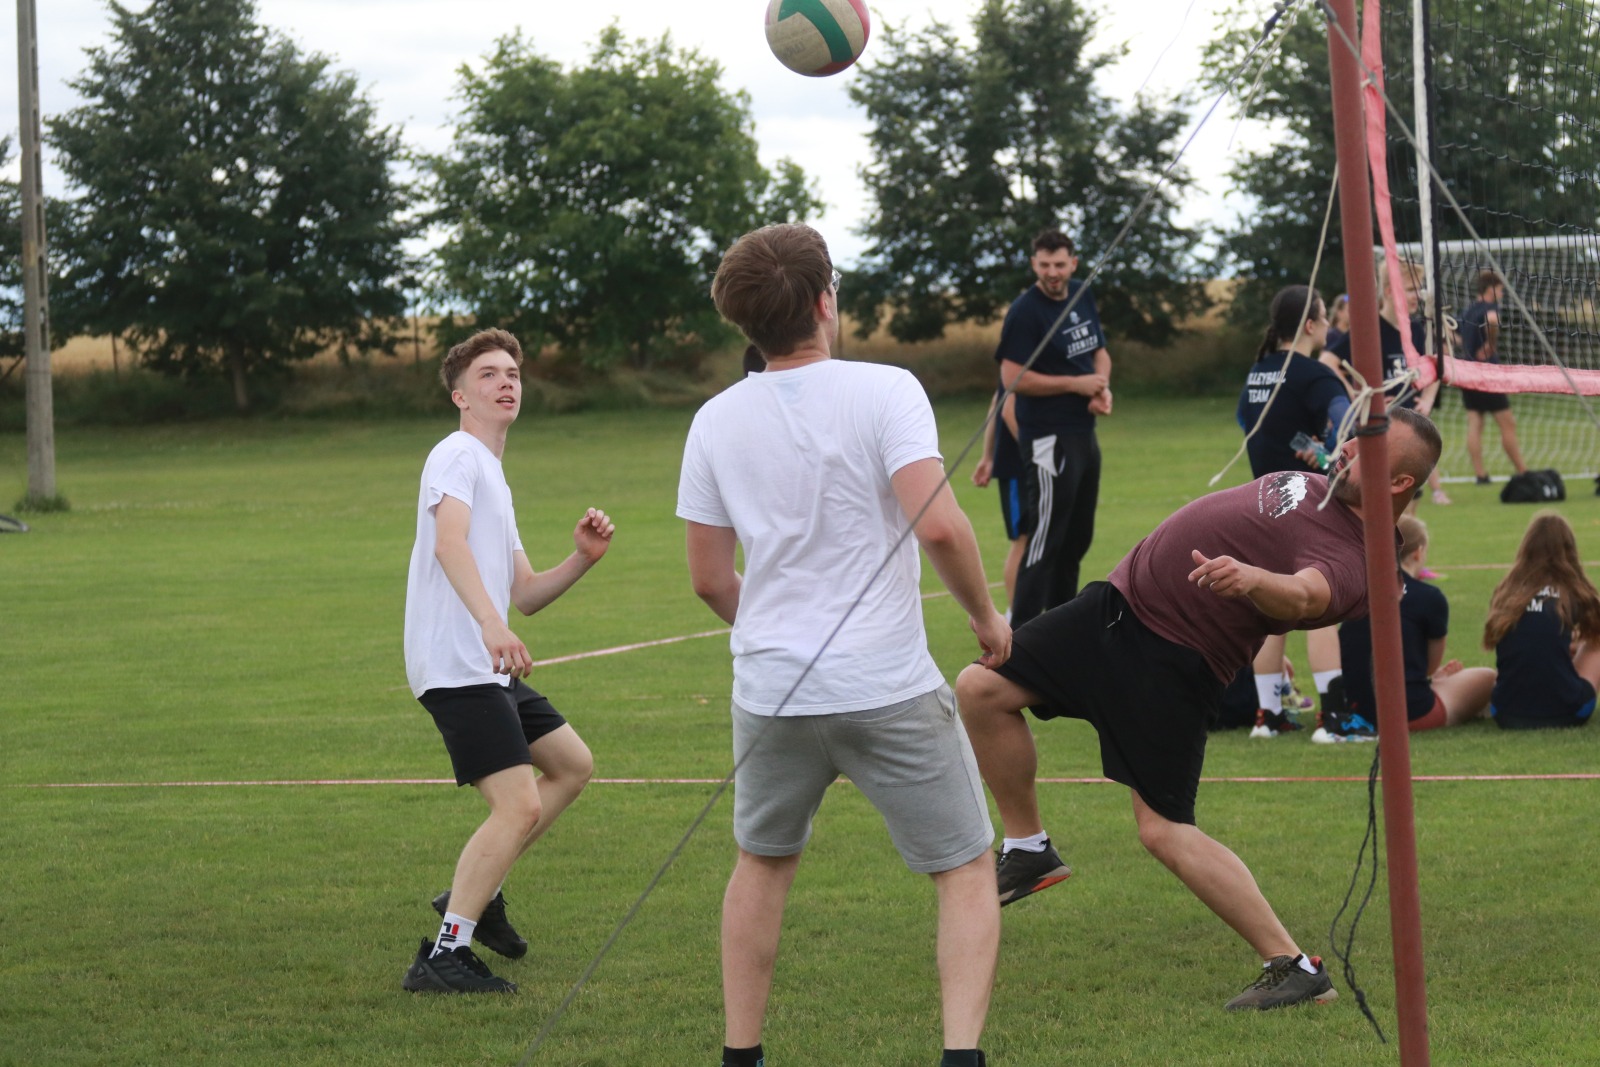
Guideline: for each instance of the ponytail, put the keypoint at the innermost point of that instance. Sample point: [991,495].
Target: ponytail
[1288,308]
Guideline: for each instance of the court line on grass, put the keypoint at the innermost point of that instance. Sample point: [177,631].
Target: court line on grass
[1237,780]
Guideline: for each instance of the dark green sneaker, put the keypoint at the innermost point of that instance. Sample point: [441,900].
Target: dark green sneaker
[1283,983]
[456,971]
[494,931]
[1021,873]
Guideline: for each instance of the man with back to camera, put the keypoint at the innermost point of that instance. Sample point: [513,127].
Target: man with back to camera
[1145,656]
[817,468]
[1479,330]
[467,568]
[1057,401]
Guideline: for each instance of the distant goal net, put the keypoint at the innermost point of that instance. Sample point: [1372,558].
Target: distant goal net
[1506,106]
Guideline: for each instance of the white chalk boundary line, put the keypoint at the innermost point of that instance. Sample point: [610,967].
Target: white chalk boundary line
[1245,780]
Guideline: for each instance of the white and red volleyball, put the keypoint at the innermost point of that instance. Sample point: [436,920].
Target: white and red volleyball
[817,37]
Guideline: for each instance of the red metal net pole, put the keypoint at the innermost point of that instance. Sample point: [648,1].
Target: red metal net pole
[1405,912]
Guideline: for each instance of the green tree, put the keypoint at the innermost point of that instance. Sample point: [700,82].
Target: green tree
[58,220]
[237,206]
[976,147]
[1517,132]
[588,208]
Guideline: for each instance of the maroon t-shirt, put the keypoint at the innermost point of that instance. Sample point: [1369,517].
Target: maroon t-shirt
[1272,523]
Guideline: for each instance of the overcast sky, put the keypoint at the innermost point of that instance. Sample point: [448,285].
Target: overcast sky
[406,54]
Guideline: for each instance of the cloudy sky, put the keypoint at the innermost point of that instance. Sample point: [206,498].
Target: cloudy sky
[407,53]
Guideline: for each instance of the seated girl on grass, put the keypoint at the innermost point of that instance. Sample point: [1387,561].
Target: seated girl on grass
[1544,627]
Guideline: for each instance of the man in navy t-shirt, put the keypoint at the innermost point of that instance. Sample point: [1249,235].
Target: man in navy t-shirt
[1058,397]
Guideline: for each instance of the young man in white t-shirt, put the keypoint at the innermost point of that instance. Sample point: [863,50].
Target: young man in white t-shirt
[818,469]
[465,665]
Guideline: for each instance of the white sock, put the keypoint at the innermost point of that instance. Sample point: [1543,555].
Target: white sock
[1267,692]
[1305,963]
[1322,678]
[1036,843]
[454,932]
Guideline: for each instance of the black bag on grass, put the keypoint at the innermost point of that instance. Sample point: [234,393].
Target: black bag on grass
[1534,487]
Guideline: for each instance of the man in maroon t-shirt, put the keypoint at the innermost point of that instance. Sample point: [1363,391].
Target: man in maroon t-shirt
[1146,655]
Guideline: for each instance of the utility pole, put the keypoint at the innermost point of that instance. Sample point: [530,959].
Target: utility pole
[35,293]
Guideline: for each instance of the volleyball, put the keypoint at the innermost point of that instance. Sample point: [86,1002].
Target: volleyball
[817,37]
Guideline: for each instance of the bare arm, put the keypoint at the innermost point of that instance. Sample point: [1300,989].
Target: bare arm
[452,519]
[947,538]
[533,590]
[985,466]
[711,568]
[1491,336]
[1032,383]
[1289,597]
[1100,403]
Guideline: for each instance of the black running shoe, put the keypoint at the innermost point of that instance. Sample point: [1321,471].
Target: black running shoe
[456,971]
[494,931]
[1283,983]
[1021,873]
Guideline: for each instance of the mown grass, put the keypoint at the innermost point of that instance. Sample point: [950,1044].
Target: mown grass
[223,603]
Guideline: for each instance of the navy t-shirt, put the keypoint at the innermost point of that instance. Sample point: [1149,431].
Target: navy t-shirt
[1305,404]
[1394,353]
[1070,351]
[1424,617]
[1473,326]
[1537,679]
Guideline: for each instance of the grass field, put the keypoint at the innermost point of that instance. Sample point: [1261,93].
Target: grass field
[223,604]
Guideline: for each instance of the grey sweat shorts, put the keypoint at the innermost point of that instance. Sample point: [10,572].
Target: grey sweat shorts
[911,760]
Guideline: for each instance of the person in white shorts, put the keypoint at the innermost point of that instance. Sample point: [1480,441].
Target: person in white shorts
[817,468]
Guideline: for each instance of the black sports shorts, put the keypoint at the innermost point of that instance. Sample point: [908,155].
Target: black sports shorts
[1013,508]
[1487,403]
[487,728]
[1148,698]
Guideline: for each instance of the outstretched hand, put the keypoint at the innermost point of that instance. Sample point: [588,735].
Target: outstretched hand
[593,534]
[1224,575]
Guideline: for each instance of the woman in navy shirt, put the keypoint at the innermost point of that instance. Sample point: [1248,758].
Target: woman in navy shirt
[1544,627]
[1311,400]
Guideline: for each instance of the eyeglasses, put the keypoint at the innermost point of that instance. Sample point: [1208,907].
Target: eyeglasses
[833,284]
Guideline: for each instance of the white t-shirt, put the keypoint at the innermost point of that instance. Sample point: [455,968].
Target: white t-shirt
[444,644]
[797,462]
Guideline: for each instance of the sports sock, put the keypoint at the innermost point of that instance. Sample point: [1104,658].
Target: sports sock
[962,1057]
[1322,678]
[742,1057]
[454,932]
[1305,963]
[1269,695]
[1037,843]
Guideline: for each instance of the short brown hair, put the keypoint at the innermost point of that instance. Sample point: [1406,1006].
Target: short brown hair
[459,358]
[768,283]
[1053,241]
[1488,279]
[1417,459]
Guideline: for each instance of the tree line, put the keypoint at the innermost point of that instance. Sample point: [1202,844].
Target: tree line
[235,205]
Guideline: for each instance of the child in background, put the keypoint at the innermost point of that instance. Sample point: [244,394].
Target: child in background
[1437,693]
[1543,619]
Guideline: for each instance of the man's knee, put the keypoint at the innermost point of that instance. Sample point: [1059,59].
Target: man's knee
[976,691]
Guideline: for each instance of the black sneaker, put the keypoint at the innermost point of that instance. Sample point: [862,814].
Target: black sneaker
[494,931]
[1021,873]
[1283,983]
[1337,727]
[1273,723]
[456,971]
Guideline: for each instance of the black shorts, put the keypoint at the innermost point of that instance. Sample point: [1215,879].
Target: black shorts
[1013,508]
[1485,403]
[1148,698]
[487,728]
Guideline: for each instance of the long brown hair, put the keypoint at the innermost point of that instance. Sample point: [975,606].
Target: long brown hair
[1548,556]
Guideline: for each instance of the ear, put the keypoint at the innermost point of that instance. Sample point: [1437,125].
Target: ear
[459,399]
